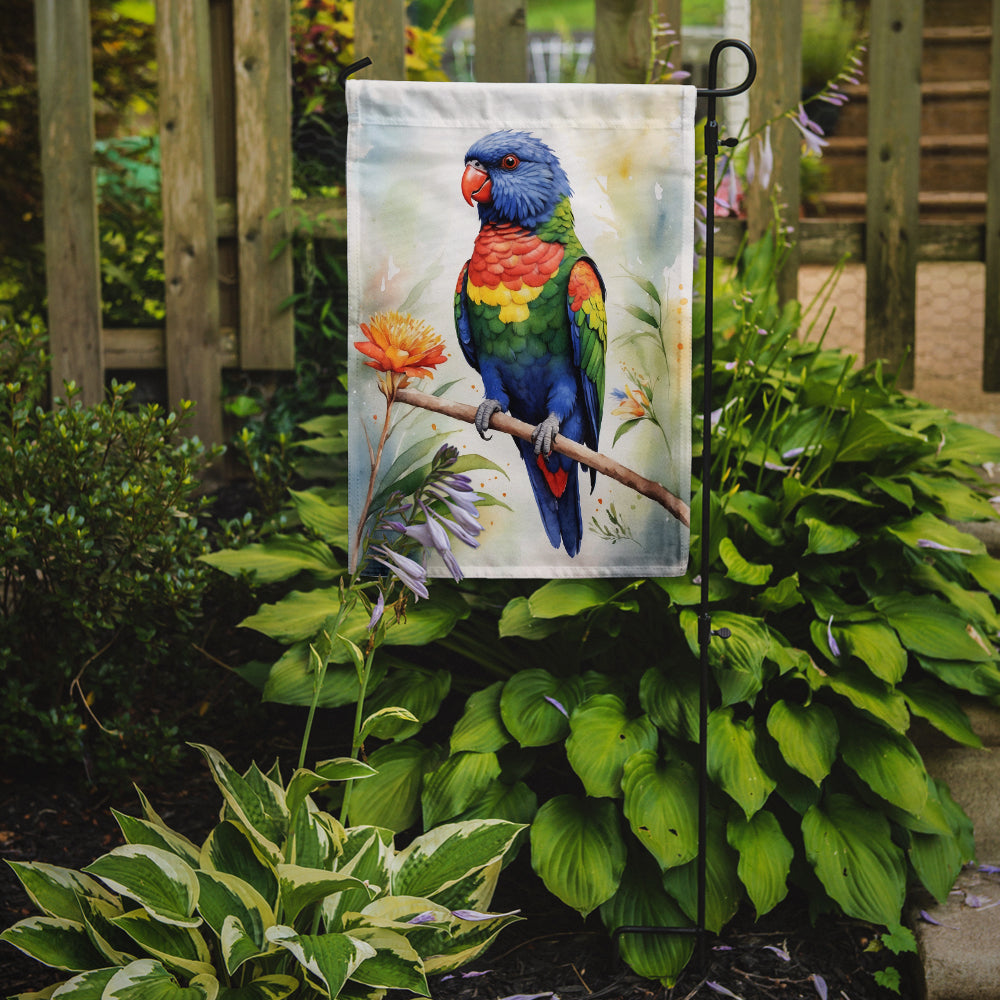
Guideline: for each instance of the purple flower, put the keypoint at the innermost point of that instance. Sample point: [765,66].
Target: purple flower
[820,983]
[377,612]
[410,573]
[475,915]
[557,704]
[811,132]
[719,988]
[834,648]
[927,543]
[760,165]
[780,952]
[427,917]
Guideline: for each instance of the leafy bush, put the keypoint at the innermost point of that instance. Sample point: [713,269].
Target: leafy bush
[99,541]
[279,899]
[854,605]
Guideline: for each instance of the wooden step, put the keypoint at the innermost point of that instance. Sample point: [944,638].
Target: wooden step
[946,162]
[956,53]
[957,206]
[945,12]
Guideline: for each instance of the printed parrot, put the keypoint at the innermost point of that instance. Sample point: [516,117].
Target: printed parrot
[530,316]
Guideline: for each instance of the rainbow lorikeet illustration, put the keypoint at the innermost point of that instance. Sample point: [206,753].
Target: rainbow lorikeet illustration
[529,310]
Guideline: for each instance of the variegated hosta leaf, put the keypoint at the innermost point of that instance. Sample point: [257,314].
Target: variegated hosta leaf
[147,979]
[732,760]
[304,782]
[481,727]
[578,851]
[177,947]
[661,800]
[468,939]
[329,959]
[315,839]
[851,849]
[441,857]
[224,898]
[141,831]
[56,891]
[456,784]
[807,736]
[158,880]
[367,853]
[230,849]
[475,891]
[765,858]
[300,887]
[86,986]
[642,902]
[116,946]
[395,964]
[723,889]
[274,987]
[602,737]
[256,801]
[54,941]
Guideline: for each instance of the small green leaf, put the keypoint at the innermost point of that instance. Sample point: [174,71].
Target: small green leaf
[828,539]
[671,699]
[738,569]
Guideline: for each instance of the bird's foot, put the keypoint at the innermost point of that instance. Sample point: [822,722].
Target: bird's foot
[544,434]
[486,410]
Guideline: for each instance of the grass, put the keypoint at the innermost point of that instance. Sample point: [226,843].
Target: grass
[578,15]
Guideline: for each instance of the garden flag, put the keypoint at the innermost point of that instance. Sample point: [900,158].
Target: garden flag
[524,254]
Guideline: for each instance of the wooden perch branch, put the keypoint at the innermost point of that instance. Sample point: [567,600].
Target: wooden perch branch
[507,424]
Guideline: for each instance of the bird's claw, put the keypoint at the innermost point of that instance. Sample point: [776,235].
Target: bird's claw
[544,434]
[486,410]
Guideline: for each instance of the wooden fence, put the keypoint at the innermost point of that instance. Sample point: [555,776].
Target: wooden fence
[226,160]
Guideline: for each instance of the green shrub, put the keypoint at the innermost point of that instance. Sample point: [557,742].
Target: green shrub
[99,542]
[279,900]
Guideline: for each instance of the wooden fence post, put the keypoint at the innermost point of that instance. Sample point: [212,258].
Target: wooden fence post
[501,41]
[380,34]
[72,255]
[622,38]
[190,251]
[892,214]
[776,34]
[991,331]
[262,61]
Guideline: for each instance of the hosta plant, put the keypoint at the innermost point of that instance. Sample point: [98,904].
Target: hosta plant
[279,900]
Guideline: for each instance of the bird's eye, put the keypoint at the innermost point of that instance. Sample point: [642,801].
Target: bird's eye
[509,162]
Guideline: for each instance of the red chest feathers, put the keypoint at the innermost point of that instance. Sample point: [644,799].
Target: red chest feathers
[512,256]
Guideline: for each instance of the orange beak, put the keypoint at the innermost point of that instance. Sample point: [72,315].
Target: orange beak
[476,184]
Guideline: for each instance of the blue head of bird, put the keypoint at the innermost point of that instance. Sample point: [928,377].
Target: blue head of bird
[513,177]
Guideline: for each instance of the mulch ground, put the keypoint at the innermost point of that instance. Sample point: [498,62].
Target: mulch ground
[550,953]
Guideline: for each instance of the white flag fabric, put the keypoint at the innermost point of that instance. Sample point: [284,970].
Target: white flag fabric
[545,233]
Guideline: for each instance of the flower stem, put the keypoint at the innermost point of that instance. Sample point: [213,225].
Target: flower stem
[376,460]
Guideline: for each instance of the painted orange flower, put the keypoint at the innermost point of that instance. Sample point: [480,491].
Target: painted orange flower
[401,345]
[633,403]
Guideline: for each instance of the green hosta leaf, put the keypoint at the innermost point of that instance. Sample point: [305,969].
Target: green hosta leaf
[516,803]
[864,691]
[783,595]
[230,849]
[986,572]
[330,959]
[481,727]
[937,859]
[147,979]
[578,851]
[327,520]
[876,646]
[418,691]
[304,782]
[301,887]
[395,964]
[931,628]
[738,569]
[260,809]
[391,798]
[292,680]
[561,598]
[54,941]
[602,738]
[828,539]
[159,881]
[760,512]
[870,435]
[957,501]
[927,528]
[142,831]
[180,948]
[765,858]
[723,889]
[976,678]
[456,784]
[941,709]
[517,620]
[965,443]
[274,987]
[807,736]
[279,558]
[661,798]
[732,760]
[468,940]
[438,859]
[975,605]
[888,763]
[850,848]
[738,661]
[56,891]
[386,723]
[226,898]
[641,901]
[671,699]
[530,706]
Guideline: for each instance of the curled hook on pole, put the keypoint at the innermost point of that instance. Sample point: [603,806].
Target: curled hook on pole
[354,67]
